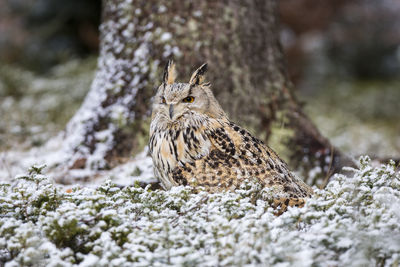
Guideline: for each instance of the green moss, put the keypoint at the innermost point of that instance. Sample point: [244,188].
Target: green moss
[279,137]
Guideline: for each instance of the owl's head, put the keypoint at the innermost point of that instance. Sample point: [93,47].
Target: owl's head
[176,101]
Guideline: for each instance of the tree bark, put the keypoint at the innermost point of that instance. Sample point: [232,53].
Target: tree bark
[239,40]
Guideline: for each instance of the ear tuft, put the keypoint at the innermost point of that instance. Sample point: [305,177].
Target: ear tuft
[198,75]
[169,73]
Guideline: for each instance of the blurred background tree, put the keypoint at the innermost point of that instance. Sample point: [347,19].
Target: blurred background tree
[339,58]
[40,34]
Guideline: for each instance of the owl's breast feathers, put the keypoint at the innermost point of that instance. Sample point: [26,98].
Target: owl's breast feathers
[219,155]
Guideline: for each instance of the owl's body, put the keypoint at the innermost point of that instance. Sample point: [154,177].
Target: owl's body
[192,142]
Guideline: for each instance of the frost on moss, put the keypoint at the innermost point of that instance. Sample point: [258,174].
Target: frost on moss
[354,221]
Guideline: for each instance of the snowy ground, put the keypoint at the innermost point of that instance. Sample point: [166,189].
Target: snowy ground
[353,222]
[138,169]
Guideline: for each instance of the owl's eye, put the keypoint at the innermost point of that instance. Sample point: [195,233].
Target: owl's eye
[163,100]
[188,99]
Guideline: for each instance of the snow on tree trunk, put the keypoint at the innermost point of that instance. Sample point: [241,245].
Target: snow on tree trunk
[104,128]
[239,40]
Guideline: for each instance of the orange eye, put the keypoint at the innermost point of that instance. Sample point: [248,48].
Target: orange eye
[163,100]
[188,99]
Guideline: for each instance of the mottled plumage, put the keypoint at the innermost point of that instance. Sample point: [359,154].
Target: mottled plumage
[192,142]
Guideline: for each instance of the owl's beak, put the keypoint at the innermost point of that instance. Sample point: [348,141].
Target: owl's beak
[171,111]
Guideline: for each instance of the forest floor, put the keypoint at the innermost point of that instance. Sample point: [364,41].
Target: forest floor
[359,117]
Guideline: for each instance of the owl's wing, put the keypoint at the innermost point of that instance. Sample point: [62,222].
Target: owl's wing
[258,160]
[234,156]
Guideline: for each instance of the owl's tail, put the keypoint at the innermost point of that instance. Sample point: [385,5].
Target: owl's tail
[281,204]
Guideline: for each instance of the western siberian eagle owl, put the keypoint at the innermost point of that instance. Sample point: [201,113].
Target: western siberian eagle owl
[193,142]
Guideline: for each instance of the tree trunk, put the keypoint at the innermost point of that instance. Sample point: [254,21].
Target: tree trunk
[239,40]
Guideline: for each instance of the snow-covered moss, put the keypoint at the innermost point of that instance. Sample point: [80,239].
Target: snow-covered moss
[354,221]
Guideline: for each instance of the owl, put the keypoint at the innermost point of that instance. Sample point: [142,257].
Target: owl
[193,142]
